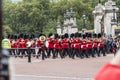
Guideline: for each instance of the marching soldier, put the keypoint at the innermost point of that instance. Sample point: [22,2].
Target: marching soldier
[43,46]
[32,40]
[101,45]
[95,45]
[14,45]
[65,46]
[57,46]
[84,47]
[26,37]
[89,46]
[51,45]
[39,45]
[77,47]
[20,45]
[72,43]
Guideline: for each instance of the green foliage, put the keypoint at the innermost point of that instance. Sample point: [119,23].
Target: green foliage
[40,16]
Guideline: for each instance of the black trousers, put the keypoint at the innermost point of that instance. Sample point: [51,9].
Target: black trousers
[43,54]
[77,53]
[101,50]
[50,50]
[84,53]
[90,52]
[12,51]
[66,52]
[58,51]
[32,51]
[72,51]
[95,51]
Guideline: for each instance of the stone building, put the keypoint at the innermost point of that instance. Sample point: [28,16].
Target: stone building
[105,14]
[69,25]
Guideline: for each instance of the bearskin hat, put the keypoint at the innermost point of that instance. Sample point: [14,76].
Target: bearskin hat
[66,35]
[21,35]
[26,36]
[84,36]
[89,35]
[15,37]
[76,35]
[50,34]
[56,36]
[79,35]
[99,35]
[94,35]
[72,35]
[62,36]
[39,35]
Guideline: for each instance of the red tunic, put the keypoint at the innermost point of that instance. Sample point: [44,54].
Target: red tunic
[101,45]
[57,44]
[26,40]
[83,45]
[77,44]
[65,44]
[50,43]
[89,45]
[94,45]
[19,43]
[72,42]
[109,72]
[39,44]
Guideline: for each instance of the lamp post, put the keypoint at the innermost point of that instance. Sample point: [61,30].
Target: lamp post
[113,21]
[84,25]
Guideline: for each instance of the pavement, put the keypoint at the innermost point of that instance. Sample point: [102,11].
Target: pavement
[57,69]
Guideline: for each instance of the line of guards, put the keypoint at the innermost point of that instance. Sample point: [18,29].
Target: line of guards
[78,44]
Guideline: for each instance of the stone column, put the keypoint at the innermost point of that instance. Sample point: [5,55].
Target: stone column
[108,16]
[65,26]
[113,29]
[98,14]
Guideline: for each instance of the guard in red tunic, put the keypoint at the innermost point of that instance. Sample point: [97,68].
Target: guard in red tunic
[95,45]
[14,46]
[101,45]
[39,45]
[72,43]
[89,45]
[20,45]
[65,46]
[26,39]
[51,45]
[33,45]
[43,46]
[57,46]
[84,47]
[77,47]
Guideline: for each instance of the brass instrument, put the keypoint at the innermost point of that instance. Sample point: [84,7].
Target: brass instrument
[42,38]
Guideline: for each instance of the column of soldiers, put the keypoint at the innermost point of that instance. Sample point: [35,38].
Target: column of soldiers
[74,45]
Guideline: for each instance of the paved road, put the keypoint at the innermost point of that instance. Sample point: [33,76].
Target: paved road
[58,69]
